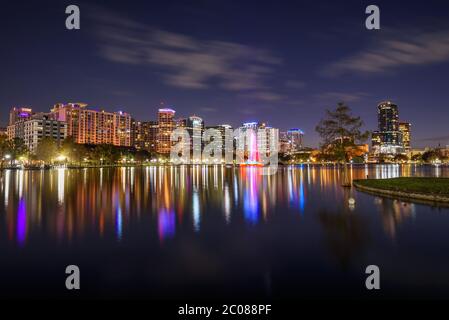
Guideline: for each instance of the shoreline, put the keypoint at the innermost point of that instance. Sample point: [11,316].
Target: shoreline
[49,167]
[402,195]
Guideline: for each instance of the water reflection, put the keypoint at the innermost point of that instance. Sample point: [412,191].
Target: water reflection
[346,235]
[67,204]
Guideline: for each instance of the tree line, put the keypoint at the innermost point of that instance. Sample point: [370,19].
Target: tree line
[68,152]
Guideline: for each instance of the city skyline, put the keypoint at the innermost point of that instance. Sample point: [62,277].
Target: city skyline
[119,128]
[224,157]
[287,72]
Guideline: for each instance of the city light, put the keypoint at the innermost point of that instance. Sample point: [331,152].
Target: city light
[61,157]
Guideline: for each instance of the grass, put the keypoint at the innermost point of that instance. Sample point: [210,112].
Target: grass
[427,186]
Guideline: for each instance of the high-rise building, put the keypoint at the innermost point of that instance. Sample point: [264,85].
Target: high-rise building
[376,141]
[404,127]
[195,127]
[295,137]
[41,126]
[70,114]
[258,138]
[19,113]
[389,134]
[166,126]
[87,125]
[122,129]
[17,118]
[227,146]
[32,129]
[144,135]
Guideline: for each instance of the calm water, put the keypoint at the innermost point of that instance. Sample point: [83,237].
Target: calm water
[217,232]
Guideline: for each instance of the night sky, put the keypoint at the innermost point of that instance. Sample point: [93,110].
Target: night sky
[283,62]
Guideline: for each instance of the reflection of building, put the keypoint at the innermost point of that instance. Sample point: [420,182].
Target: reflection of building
[165,129]
[404,127]
[144,135]
[389,138]
[36,127]
[88,125]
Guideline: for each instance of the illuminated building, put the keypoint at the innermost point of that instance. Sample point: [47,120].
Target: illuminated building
[166,126]
[19,114]
[284,143]
[144,135]
[259,139]
[17,117]
[122,129]
[223,129]
[195,127]
[41,126]
[295,139]
[376,141]
[33,127]
[404,127]
[389,134]
[87,125]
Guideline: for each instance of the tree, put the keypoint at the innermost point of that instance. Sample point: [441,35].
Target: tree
[340,132]
[142,156]
[417,157]
[401,158]
[73,151]
[4,146]
[46,150]
[431,155]
[105,153]
[4,149]
[16,148]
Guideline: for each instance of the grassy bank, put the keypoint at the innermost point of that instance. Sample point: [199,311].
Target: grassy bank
[423,186]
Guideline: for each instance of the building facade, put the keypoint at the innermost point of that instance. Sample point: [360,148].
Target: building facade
[145,135]
[405,127]
[87,125]
[257,139]
[166,127]
[17,114]
[295,138]
[43,126]
[389,138]
[34,128]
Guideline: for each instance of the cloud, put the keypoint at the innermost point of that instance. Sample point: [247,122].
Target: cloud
[334,97]
[407,48]
[264,96]
[185,61]
[439,138]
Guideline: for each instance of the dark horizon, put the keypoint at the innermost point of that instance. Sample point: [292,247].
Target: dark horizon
[228,63]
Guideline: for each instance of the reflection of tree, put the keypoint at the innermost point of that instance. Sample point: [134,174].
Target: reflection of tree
[346,235]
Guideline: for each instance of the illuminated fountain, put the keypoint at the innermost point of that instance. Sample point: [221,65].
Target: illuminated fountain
[253,158]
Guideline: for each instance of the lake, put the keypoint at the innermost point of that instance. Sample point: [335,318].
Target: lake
[198,232]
